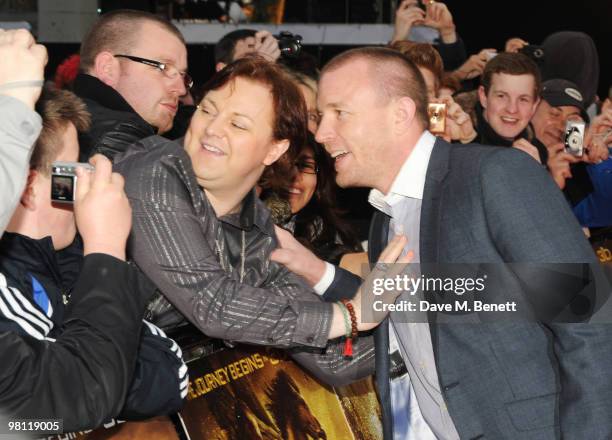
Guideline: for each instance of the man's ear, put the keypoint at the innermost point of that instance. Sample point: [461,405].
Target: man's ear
[482,96]
[28,197]
[106,68]
[276,150]
[404,112]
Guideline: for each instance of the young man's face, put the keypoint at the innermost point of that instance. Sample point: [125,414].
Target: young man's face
[510,103]
[549,122]
[355,125]
[152,94]
[230,138]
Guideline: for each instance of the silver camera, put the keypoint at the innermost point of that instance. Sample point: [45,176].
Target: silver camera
[574,138]
[64,180]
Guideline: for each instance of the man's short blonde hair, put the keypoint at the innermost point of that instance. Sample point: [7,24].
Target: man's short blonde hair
[57,108]
[391,74]
[116,32]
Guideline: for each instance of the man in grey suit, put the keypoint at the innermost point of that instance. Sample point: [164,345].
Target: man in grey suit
[460,204]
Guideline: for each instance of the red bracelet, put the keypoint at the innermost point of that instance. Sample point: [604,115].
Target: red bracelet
[348,343]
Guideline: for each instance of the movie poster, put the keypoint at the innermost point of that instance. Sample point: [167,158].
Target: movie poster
[254,393]
[260,394]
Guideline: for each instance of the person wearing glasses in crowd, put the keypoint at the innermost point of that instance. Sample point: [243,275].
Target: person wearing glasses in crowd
[316,220]
[133,71]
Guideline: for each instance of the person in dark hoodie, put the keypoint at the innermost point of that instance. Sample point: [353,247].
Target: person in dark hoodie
[133,71]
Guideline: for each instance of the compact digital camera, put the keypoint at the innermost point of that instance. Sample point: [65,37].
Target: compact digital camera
[437,117]
[64,180]
[574,138]
[289,44]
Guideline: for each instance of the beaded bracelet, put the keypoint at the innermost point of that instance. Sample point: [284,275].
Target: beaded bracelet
[347,320]
[351,336]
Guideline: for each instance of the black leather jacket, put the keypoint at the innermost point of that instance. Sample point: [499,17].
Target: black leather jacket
[114,123]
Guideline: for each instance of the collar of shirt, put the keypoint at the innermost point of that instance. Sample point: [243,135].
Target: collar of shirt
[410,181]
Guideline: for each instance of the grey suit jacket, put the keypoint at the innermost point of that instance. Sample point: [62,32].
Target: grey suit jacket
[506,380]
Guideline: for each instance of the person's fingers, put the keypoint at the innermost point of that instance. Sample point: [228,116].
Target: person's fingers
[281,256]
[40,52]
[406,4]
[103,171]
[393,250]
[23,38]
[117,180]
[5,37]
[567,157]
[415,14]
[284,237]
[454,110]
[406,258]
[84,183]
[460,117]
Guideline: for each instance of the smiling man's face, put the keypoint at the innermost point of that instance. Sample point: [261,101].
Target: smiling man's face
[510,103]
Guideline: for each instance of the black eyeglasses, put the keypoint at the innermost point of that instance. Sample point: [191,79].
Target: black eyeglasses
[306,166]
[168,70]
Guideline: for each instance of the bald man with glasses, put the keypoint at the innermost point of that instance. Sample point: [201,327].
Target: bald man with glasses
[133,71]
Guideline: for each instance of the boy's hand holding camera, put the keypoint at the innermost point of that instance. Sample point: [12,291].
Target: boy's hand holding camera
[102,210]
[22,67]
[457,125]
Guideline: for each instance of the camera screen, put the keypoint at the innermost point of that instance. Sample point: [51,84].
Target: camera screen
[62,188]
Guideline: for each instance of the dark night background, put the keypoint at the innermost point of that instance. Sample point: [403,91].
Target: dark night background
[480,23]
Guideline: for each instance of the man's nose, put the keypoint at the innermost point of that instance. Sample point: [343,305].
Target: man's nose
[512,106]
[324,131]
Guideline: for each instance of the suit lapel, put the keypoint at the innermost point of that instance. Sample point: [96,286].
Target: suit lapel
[379,230]
[429,228]
[430,208]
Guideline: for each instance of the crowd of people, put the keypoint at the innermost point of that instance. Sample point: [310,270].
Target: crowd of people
[217,207]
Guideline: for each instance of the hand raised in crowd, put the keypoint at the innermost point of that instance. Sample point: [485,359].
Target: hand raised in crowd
[475,64]
[102,210]
[297,258]
[526,146]
[407,15]
[267,46]
[390,264]
[513,45]
[559,162]
[459,125]
[22,66]
[598,136]
[439,17]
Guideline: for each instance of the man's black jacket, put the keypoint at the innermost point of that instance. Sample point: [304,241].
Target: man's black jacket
[56,365]
[114,123]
